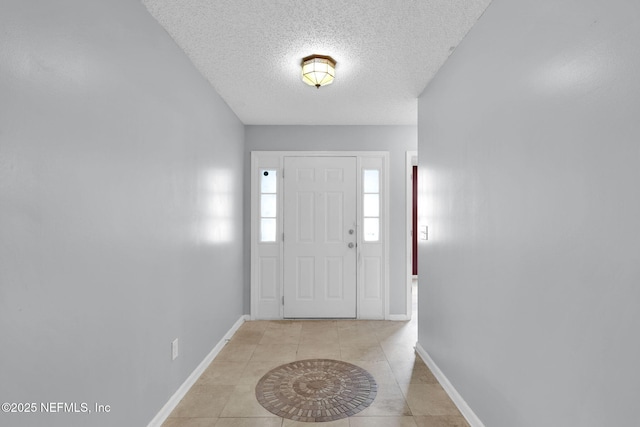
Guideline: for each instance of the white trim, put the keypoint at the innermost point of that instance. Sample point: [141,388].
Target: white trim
[464,408]
[387,237]
[263,159]
[164,413]
[399,317]
[359,278]
[411,160]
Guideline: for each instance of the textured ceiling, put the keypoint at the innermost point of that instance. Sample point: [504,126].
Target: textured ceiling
[386,53]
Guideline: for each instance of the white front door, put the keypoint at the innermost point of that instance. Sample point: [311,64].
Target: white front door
[320,237]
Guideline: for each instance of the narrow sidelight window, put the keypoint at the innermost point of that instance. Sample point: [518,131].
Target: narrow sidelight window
[268,205]
[371,205]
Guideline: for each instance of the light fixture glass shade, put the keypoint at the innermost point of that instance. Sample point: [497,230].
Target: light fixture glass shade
[318,70]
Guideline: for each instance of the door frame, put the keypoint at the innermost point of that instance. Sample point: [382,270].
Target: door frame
[267,259]
[411,161]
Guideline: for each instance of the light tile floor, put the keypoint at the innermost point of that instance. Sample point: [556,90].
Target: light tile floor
[408,393]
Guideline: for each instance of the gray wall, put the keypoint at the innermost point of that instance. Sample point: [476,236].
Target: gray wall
[529,148]
[395,139]
[120,211]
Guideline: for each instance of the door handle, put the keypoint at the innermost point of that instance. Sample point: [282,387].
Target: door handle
[351,245]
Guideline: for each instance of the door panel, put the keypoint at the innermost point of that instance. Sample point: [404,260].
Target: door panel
[334,279]
[305,277]
[334,210]
[305,217]
[319,210]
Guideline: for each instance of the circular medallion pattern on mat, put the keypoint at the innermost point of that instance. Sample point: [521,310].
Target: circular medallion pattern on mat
[316,390]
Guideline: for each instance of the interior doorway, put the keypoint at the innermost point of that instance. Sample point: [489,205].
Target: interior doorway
[414,221]
[411,168]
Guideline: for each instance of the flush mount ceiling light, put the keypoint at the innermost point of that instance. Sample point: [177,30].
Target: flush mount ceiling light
[318,70]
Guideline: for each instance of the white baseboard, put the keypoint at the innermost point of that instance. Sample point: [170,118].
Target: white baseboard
[162,416]
[399,317]
[466,411]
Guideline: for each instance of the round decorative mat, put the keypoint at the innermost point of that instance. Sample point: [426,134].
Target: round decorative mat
[316,390]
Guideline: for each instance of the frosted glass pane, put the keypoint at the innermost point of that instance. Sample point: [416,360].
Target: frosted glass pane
[371,181]
[268,230]
[268,181]
[371,229]
[268,205]
[371,205]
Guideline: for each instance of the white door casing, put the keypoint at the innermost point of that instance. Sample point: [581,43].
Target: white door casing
[267,256]
[320,237]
